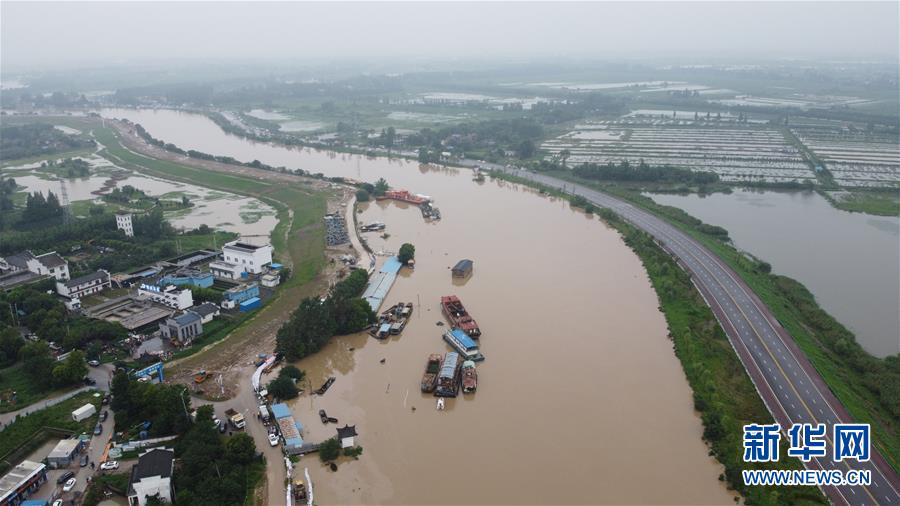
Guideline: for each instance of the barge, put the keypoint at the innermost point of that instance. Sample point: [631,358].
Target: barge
[404,196]
[432,368]
[463,344]
[454,310]
[469,377]
[448,377]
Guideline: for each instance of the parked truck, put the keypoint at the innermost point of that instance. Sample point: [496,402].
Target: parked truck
[236,419]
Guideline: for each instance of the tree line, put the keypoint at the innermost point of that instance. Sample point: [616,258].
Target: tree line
[314,321]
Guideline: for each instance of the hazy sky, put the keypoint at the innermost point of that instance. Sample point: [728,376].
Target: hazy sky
[44,34]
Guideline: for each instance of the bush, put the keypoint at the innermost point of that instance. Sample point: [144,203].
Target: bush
[330,450]
[407,253]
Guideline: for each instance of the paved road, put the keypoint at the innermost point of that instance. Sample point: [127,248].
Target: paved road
[101,375]
[788,384]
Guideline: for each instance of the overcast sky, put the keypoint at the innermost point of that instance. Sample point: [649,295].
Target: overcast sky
[70,34]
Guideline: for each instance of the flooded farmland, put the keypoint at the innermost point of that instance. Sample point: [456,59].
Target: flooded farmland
[849,261]
[225,211]
[580,400]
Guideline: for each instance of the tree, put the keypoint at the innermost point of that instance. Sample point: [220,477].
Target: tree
[381,186]
[330,449]
[10,344]
[526,149]
[37,363]
[407,253]
[282,388]
[240,449]
[71,371]
[293,372]
[362,195]
[120,392]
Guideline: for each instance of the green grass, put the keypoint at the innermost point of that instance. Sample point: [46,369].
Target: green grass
[13,379]
[47,156]
[881,203]
[29,432]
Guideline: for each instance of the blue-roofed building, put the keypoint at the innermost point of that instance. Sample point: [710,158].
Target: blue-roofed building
[234,296]
[188,276]
[465,345]
[380,283]
[281,411]
[289,428]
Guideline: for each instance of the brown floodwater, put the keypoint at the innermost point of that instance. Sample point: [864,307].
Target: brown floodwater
[580,399]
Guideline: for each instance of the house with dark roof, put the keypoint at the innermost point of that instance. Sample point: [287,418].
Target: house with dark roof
[48,264]
[84,285]
[182,329]
[346,435]
[206,311]
[152,476]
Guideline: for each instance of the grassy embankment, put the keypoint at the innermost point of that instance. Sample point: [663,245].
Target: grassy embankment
[27,393]
[867,386]
[880,202]
[298,238]
[28,433]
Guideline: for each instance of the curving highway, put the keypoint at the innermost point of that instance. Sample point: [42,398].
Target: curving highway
[789,385]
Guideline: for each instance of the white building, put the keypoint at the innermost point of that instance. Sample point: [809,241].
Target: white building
[251,258]
[270,279]
[123,223]
[85,285]
[48,264]
[225,270]
[152,476]
[171,295]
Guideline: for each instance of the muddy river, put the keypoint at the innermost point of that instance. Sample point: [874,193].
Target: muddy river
[580,399]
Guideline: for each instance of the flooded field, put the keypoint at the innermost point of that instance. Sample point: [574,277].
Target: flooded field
[225,211]
[849,261]
[580,400]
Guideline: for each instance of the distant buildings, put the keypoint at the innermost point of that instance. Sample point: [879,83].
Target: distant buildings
[123,223]
[182,329]
[48,264]
[249,257]
[85,285]
[152,476]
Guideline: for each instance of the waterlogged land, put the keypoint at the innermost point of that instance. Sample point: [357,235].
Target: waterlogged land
[581,399]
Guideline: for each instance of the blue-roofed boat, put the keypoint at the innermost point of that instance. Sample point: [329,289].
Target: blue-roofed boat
[465,345]
[448,377]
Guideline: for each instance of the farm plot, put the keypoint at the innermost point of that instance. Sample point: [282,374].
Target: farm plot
[735,154]
[855,158]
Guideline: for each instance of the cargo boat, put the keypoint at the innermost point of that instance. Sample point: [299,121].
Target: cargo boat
[432,368]
[448,377]
[469,377]
[462,343]
[454,310]
[404,196]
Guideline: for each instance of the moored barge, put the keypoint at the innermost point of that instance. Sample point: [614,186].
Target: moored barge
[454,310]
[463,344]
[432,368]
[469,377]
[448,377]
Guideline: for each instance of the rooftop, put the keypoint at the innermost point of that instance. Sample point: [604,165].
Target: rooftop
[463,264]
[205,309]
[346,431]
[156,462]
[51,259]
[19,474]
[94,276]
[244,247]
[187,318]
[64,449]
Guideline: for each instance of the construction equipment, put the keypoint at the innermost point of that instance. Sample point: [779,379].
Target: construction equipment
[200,376]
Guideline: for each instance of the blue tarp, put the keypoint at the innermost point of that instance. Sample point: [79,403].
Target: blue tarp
[392,265]
[280,410]
[467,342]
[295,442]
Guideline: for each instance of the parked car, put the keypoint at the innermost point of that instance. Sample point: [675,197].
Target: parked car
[69,485]
[98,430]
[65,477]
[273,440]
[104,415]
[58,502]
[94,363]
[89,380]
[109,465]
[84,460]
[106,399]
[222,428]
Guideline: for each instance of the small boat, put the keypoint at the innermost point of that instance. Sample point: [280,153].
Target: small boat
[469,377]
[432,368]
[440,404]
[448,377]
[324,388]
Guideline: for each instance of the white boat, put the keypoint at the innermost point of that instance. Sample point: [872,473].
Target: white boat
[440,404]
